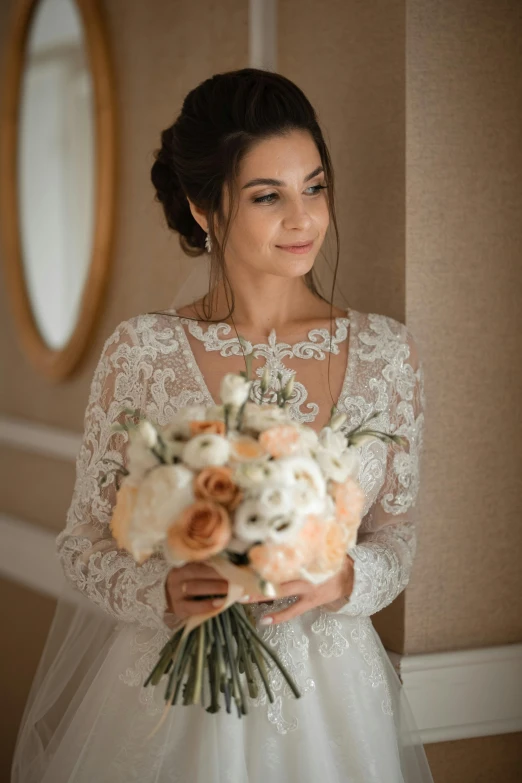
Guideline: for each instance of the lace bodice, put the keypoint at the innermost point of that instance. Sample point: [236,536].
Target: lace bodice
[150,363]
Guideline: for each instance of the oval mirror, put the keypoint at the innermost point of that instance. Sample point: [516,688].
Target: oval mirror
[57,195]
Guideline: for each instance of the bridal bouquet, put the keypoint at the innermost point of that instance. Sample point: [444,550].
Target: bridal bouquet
[256,495]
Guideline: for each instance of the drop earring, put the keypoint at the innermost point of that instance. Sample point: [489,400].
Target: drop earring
[208,243]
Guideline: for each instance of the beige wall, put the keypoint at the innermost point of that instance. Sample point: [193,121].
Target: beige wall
[463,301]
[428,194]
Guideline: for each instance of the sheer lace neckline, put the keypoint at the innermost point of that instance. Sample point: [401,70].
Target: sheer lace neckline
[318,338]
[315,346]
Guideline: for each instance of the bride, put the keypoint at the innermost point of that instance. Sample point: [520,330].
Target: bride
[245,178]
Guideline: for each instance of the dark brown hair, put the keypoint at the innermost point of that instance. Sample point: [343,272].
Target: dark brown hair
[200,154]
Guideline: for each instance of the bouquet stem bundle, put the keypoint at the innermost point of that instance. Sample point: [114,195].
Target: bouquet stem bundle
[228,650]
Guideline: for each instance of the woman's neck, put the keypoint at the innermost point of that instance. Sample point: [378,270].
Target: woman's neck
[288,307]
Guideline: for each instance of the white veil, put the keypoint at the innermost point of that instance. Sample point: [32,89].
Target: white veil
[79,638]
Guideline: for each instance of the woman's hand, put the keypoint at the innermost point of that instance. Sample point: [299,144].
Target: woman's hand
[183,586]
[338,588]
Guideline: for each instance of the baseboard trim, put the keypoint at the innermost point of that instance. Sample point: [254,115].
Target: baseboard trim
[453,695]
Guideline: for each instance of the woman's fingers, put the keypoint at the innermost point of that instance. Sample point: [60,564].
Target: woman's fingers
[294,610]
[185,609]
[193,587]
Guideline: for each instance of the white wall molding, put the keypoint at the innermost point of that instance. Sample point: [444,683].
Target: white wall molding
[453,695]
[39,438]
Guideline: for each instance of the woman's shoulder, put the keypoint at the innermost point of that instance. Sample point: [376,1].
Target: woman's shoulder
[385,335]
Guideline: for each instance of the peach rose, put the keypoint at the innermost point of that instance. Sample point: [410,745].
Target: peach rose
[215,483]
[277,563]
[334,547]
[244,448]
[281,441]
[349,502]
[329,542]
[202,427]
[202,529]
[122,514]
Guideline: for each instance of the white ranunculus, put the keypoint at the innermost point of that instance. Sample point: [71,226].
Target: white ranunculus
[275,500]
[208,448]
[301,469]
[285,527]
[215,413]
[140,458]
[254,475]
[178,426]
[163,494]
[173,449]
[306,500]
[333,442]
[260,417]
[309,436]
[339,467]
[249,523]
[234,389]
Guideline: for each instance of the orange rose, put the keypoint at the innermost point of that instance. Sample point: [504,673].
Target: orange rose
[202,529]
[215,483]
[122,513]
[280,441]
[202,427]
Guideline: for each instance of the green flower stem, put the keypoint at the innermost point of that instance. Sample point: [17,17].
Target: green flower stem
[220,644]
[260,663]
[166,655]
[213,676]
[244,658]
[198,685]
[181,672]
[178,660]
[239,696]
[270,652]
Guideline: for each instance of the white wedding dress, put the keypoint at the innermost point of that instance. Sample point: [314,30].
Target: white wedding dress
[88,714]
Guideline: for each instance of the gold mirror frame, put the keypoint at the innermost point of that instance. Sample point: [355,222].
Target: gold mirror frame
[56,365]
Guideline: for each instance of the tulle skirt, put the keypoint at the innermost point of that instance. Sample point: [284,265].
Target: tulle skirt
[88,715]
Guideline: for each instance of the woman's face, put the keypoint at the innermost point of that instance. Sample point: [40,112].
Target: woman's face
[292,209]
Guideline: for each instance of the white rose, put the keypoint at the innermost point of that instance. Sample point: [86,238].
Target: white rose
[208,448]
[161,497]
[234,389]
[338,468]
[178,426]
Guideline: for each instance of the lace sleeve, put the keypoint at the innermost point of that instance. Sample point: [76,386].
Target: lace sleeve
[86,549]
[386,543]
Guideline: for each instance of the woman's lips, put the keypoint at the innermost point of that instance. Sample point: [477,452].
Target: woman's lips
[297,248]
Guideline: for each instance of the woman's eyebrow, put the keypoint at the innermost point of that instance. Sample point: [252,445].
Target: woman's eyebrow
[277,182]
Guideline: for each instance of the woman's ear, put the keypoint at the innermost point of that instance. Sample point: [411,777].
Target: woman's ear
[199,215]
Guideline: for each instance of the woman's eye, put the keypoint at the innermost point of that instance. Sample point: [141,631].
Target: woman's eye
[264,199]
